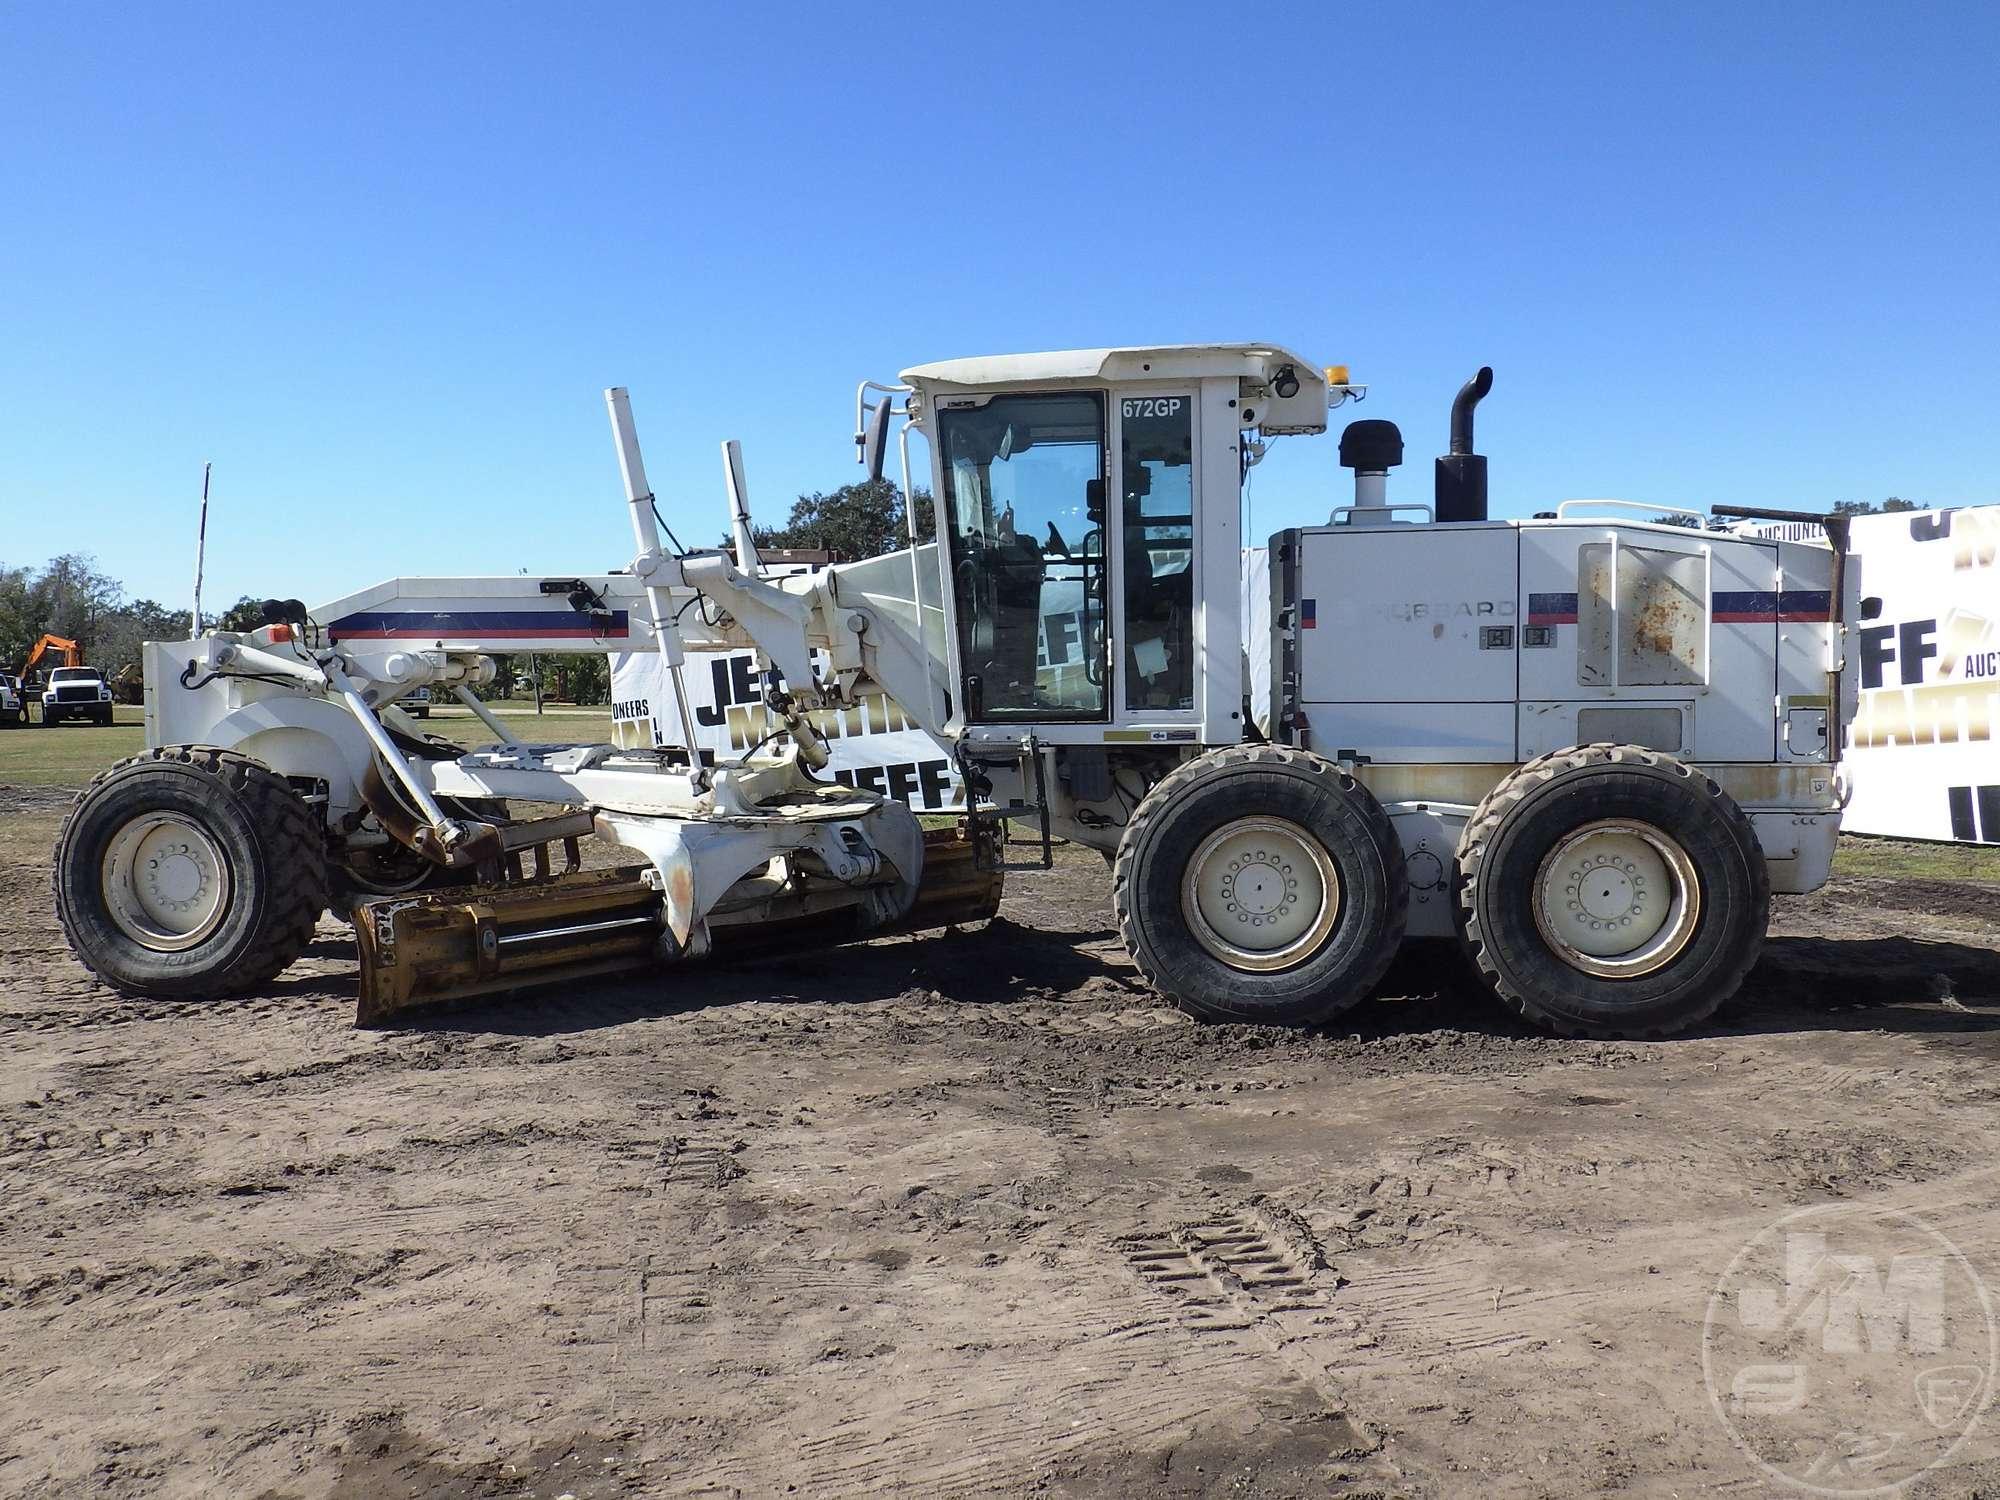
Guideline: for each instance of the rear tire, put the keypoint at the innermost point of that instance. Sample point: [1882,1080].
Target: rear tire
[1611,891]
[189,872]
[1261,884]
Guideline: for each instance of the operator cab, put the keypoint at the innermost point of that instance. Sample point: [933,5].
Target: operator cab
[1079,494]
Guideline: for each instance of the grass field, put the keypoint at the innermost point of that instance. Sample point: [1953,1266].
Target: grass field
[1908,859]
[70,754]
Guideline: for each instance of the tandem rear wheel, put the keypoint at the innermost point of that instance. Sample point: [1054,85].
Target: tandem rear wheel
[1611,891]
[1260,884]
[1602,891]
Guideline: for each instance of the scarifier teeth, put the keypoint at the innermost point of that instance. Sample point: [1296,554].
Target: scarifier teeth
[421,951]
[426,950]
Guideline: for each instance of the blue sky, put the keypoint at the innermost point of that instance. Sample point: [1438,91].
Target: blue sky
[378,262]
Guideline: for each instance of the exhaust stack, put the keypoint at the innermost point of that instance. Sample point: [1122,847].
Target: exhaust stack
[1461,473]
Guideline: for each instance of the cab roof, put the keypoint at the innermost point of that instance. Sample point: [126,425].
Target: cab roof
[1154,362]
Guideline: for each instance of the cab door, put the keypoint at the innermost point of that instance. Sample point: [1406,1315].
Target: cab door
[1153,639]
[1023,477]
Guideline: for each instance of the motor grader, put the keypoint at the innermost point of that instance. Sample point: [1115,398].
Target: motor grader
[1587,746]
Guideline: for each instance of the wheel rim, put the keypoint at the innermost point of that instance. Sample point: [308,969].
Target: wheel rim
[166,882]
[1617,899]
[1260,894]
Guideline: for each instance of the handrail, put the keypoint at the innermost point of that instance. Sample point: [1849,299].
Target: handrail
[1707,616]
[1394,505]
[916,548]
[1617,640]
[1563,508]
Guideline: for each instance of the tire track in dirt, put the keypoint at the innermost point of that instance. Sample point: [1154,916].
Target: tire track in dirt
[961,1405]
[1254,1281]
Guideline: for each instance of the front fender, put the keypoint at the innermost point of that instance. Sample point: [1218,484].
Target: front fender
[305,737]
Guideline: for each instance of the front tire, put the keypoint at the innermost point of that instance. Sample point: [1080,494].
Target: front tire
[1261,884]
[1611,891]
[189,872]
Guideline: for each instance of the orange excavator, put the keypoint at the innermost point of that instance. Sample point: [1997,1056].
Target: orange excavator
[62,646]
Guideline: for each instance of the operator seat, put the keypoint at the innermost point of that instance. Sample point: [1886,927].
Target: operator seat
[1005,640]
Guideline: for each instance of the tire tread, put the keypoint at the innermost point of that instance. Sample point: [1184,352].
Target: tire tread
[297,862]
[1514,789]
[1169,789]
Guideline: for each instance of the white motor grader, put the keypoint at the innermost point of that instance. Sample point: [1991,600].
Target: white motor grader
[1587,748]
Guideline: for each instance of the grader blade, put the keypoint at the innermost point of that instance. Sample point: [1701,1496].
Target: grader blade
[422,951]
[425,950]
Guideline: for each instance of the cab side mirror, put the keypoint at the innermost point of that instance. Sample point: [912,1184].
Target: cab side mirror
[874,439]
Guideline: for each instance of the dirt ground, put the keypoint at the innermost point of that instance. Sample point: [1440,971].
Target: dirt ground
[959,1214]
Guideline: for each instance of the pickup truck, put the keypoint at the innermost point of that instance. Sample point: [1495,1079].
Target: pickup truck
[13,702]
[76,693]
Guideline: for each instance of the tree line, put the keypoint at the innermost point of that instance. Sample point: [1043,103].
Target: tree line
[853,522]
[72,597]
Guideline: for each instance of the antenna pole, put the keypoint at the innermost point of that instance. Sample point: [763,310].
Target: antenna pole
[200,550]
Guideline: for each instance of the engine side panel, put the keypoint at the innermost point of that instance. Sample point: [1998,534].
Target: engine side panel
[1403,641]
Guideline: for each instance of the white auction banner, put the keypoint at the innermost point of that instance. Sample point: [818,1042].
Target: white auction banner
[1921,754]
[874,745]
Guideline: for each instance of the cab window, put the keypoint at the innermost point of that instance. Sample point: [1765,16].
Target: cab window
[1157,476]
[1024,498]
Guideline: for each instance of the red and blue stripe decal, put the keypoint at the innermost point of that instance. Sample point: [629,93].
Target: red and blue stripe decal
[1551,609]
[1764,607]
[1746,607]
[477,625]
[1309,614]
